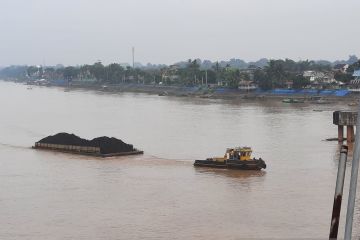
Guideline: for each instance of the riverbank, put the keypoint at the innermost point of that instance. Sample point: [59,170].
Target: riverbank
[223,93]
[306,95]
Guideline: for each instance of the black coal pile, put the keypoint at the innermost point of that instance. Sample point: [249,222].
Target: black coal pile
[65,139]
[107,145]
[111,145]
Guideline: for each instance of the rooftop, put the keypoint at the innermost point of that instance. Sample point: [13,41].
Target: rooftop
[356,73]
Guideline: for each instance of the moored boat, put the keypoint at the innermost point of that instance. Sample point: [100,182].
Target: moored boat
[292,100]
[234,158]
[352,104]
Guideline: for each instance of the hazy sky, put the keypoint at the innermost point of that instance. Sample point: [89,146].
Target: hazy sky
[167,31]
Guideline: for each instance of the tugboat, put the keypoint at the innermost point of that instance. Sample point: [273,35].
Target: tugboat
[235,158]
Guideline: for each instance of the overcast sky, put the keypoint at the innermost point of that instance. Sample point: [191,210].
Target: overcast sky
[167,31]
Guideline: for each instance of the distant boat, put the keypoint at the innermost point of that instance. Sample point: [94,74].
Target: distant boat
[321,101]
[165,93]
[292,100]
[352,104]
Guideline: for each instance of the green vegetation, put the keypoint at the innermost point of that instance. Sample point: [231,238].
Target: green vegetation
[267,74]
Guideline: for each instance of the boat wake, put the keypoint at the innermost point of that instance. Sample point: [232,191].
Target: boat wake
[13,146]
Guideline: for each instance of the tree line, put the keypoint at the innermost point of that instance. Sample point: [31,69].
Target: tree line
[275,74]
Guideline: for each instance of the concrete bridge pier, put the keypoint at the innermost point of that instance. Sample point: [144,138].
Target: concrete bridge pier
[340,133]
[348,119]
[350,136]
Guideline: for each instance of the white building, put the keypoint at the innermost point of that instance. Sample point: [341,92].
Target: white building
[319,78]
[355,83]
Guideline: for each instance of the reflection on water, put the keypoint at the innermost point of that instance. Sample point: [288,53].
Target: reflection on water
[46,195]
[230,173]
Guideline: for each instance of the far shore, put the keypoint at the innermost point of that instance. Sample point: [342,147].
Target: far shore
[203,92]
[209,92]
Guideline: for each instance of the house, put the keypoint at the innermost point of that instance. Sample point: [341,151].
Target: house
[317,78]
[341,68]
[356,74]
[354,85]
[246,85]
[170,74]
[41,82]
[222,83]
[313,76]
[289,84]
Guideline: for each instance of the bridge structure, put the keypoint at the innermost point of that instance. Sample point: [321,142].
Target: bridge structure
[345,119]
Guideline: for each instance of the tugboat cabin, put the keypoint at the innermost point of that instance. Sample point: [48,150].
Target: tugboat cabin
[238,153]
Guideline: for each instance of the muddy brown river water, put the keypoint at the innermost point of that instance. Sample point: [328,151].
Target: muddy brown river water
[160,195]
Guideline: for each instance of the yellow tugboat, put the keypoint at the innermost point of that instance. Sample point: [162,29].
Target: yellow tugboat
[237,158]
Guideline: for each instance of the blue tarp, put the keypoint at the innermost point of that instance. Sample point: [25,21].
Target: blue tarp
[308,91]
[327,92]
[341,93]
[283,91]
[226,90]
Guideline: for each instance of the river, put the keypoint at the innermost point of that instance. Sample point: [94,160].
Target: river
[160,195]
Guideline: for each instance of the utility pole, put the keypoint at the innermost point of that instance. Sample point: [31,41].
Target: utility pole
[206,77]
[133,57]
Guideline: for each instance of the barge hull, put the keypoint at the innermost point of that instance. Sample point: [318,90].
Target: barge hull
[232,164]
[82,150]
[205,163]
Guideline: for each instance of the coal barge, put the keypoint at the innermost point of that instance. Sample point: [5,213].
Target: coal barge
[234,158]
[100,147]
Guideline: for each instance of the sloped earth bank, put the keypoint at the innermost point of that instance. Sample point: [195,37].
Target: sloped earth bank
[107,145]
